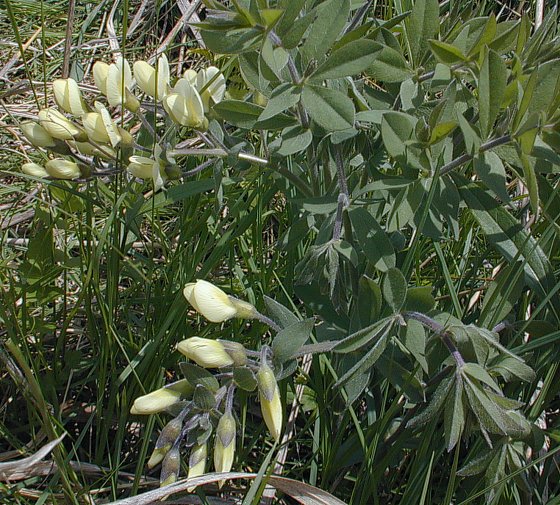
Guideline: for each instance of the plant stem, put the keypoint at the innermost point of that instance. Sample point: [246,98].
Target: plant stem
[266,320]
[439,330]
[457,162]
[343,195]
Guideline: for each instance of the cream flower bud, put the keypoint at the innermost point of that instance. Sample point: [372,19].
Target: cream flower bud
[205,352]
[154,84]
[170,467]
[157,456]
[88,149]
[197,462]
[269,396]
[100,71]
[224,447]
[58,126]
[36,134]
[34,169]
[162,398]
[214,304]
[68,97]
[60,168]
[191,75]
[214,92]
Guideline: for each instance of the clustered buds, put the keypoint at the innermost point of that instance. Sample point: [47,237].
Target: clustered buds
[203,408]
[93,136]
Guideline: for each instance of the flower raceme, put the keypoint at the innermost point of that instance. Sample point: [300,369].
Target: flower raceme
[215,305]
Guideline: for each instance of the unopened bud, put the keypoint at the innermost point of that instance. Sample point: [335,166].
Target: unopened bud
[224,448]
[205,352]
[60,168]
[269,396]
[197,462]
[34,169]
[157,456]
[36,134]
[58,126]
[170,467]
[156,401]
[68,97]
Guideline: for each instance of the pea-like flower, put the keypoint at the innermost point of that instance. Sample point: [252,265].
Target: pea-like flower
[68,97]
[58,126]
[34,169]
[115,82]
[184,105]
[153,83]
[271,405]
[36,134]
[205,352]
[211,84]
[149,168]
[101,128]
[59,168]
[214,304]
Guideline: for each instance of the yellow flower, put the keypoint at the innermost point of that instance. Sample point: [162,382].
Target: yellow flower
[214,92]
[60,168]
[149,168]
[205,352]
[184,105]
[197,462]
[115,83]
[68,97]
[214,304]
[100,71]
[58,126]
[271,405]
[36,134]
[154,84]
[34,169]
[224,446]
[101,128]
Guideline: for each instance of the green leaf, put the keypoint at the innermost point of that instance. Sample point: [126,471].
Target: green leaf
[288,341]
[294,140]
[490,169]
[282,98]
[379,343]
[415,342]
[197,375]
[280,314]
[389,66]
[486,36]
[491,88]
[232,41]
[369,300]
[203,398]
[505,233]
[330,109]
[331,19]
[396,129]
[244,378]
[293,36]
[351,59]
[441,131]
[476,371]
[446,53]
[419,299]
[454,416]
[530,179]
[472,140]
[436,404]
[246,115]
[372,239]
[362,337]
[509,368]
[421,25]
[394,289]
